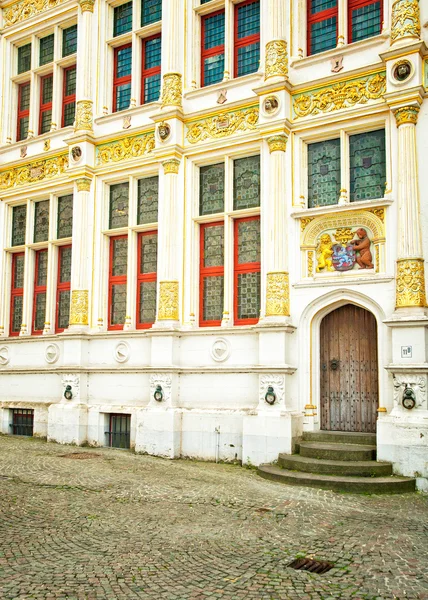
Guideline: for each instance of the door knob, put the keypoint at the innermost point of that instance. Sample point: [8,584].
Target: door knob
[334,364]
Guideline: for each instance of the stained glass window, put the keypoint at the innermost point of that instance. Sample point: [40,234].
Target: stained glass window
[46,104]
[367,165]
[19,220]
[248,241]
[63,288]
[151,11]
[117,281]
[63,314]
[148,193]
[65,216]
[247,271]
[122,78]
[41,221]
[213,245]
[69,40]
[365,20]
[248,305]
[16,321]
[148,256]
[147,303]
[17,293]
[18,271]
[322,25]
[247,38]
[151,69]
[46,48]
[212,274]
[119,256]
[64,264]
[23,110]
[213,294]
[323,173]
[118,304]
[41,276]
[119,205]
[41,268]
[211,189]
[122,19]
[24,58]
[69,96]
[213,28]
[147,267]
[246,182]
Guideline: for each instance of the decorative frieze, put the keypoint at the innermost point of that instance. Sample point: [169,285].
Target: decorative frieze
[172,90]
[410,286]
[339,96]
[168,301]
[84,116]
[79,307]
[407,114]
[223,125]
[33,172]
[126,149]
[277,143]
[276,59]
[25,9]
[277,295]
[405,19]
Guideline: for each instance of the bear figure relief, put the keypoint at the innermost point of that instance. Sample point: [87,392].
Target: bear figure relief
[362,247]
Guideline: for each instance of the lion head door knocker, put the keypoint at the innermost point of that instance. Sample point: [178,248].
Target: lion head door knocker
[164,131]
[409,398]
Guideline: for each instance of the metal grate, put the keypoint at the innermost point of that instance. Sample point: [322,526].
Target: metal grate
[22,421]
[313,566]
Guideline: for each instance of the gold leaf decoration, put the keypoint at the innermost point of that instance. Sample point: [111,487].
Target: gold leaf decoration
[33,172]
[276,59]
[305,222]
[343,235]
[168,301]
[126,148]
[79,307]
[410,286]
[405,19]
[19,11]
[277,143]
[171,166]
[407,114]
[339,96]
[83,115]
[277,295]
[378,212]
[87,5]
[223,125]
[172,90]
[310,263]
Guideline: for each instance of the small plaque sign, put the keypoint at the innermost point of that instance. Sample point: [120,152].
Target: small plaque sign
[406,351]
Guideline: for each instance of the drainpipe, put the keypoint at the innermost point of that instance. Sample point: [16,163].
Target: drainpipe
[217,446]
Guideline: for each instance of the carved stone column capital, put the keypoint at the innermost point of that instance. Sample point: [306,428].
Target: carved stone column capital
[405,20]
[407,114]
[276,59]
[171,166]
[83,184]
[87,5]
[277,143]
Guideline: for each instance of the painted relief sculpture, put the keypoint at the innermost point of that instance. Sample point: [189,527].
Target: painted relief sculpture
[342,254]
[362,247]
[325,253]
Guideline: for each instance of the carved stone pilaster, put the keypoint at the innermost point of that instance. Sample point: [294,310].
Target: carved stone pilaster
[405,20]
[84,116]
[410,286]
[277,295]
[172,90]
[276,59]
[168,309]
[79,307]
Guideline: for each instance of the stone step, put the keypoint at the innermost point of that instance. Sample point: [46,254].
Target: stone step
[368,468]
[340,437]
[358,485]
[352,452]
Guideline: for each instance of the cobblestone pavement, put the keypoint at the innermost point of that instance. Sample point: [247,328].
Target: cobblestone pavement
[111,524]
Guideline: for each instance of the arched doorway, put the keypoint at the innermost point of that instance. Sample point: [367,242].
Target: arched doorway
[349,370]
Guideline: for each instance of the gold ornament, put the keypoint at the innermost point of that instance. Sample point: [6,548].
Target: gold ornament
[126,148]
[377,250]
[277,295]
[305,222]
[84,119]
[324,253]
[310,263]
[79,307]
[34,172]
[223,125]
[276,59]
[339,96]
[405,20]
[19,11]
[343,235]
[277,143]
[168,301]
[87,5]
[83,184]
[172,90]
[410,286]
[46,145]
[171,166]
[379,213]
[350,218]
[407,114]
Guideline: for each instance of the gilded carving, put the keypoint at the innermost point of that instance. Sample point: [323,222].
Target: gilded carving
[84,119]
[325,253]
[407,114]
[33,172]
[410,287]
[310,263]
[364,218]
[83,184]
[79,307]
[168,301]
[87,5]
[171,166]
[339,96]
[405,19]
[19,11]
[305,222]
[126,148]
[276,59]
[277,295]
[379,213]
[343,235]
[277,143]
[377,249]
[223,125]
[172,90]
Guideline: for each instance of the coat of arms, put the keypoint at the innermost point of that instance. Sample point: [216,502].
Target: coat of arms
[343,257]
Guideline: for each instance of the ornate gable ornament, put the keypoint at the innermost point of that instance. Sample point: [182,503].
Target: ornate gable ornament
[19,11]
[33,172]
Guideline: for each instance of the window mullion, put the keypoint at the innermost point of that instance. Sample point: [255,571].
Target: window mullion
[342,23]
[131,288]
[229,34]
[135,69]
[344,166]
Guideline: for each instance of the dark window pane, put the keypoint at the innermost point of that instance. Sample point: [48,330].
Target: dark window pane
[152,88]
[18,280]
[70,82]
[63,309]
[69,114]
[46,50]
[41,221]
[148,192]
[213,298]
[46,121]
[214,31]
[151,11]
[119,205]
[367,165]
[118,304]
[149,253]
[120,257]
[320,5]
[120,431]
[24,58]
[366,21]
[42,268]
[123,96]
[323,173]
[248,59]
[47,89]
[69,40]
[19,218]
[248,295]
[249,241]
[248,19]
[17,304]
[323,35]
[147,308]
[122,20]
[213,69]
[65,216]
[124,62]
[246,182]
[205,1]
[214,246]
[211,189]
[65,264]
[152,53]
[40,311]
[24,97]
[22,421]
[23,128]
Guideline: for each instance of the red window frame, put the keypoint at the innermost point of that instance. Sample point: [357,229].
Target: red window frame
[143,277]
[207,272]
[21,113]
[352,5]
[319,16]
[48,105]
[38,289]
[15,292]
[246,41]
[241,268]
[71,97]
[215,51]
[114,280]
[147,72]
[65,286]
[118,81]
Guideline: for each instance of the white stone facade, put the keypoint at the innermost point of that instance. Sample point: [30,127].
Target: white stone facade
[214,379]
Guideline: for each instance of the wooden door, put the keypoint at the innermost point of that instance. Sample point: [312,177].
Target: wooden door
[349,370]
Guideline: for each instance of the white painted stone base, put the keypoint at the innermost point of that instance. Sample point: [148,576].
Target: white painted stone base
[404,442]
[212,435]
[158,432]
[266,435]
[68,423]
